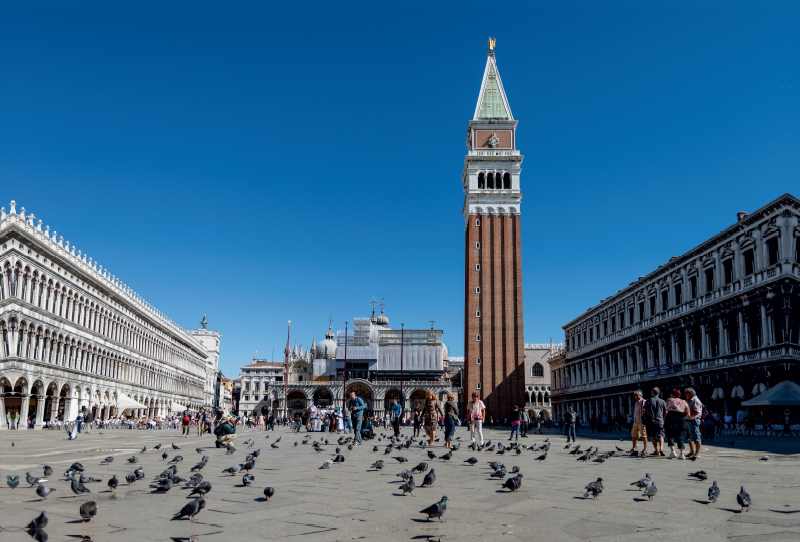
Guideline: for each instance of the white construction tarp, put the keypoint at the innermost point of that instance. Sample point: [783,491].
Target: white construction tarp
[126,403]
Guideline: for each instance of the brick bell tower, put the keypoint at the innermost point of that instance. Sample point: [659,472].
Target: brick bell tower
[493,332]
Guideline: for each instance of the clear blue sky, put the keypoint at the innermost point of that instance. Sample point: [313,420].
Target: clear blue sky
[265,161]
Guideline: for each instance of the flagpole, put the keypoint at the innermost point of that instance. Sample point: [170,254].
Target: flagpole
[344,372]
[286,371]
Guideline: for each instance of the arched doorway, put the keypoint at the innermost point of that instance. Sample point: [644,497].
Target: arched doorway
[417,398]
[365,393]
[323,398]
[296,403]
[391,395]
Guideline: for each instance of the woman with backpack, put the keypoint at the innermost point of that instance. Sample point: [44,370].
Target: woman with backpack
[431,413]
[186,420]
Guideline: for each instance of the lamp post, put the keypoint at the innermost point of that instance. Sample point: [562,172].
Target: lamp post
[286,371]
[344,372]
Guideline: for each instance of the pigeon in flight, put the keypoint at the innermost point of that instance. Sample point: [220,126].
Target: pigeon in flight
[72,434]
[713,492]
[743,498]
[436,510]
[88,511]
[191,509]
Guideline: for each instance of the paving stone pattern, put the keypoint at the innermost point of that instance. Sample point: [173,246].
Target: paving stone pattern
[350,501]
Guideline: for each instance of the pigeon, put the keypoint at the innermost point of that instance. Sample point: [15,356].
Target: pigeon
[650,491]
[431,455]
[513,483]
[162,487]
[200,466]
[743,498]
[269,492]
[12,481]
[338,459]
[76,466]
[327,464]
[38,523]
[713,492]
[594,488]
[514,469]
[78,487]
[174,447]
[471,461]
[274,445]
[436,510]
[409,486]
[248,466]
[643,482]
[48,471]
[43,491]
[421,467]
[164,456]
[374,449]
[576,451]
[234,470]
[130,478]
[89,479]
[201,489]
[406,474]
[143,450]
[107,460]
[765,458]
[176,459]
[72,434]
[401,459]
[700,475]
[88,511]
[191,509]
[568,446]
[247,479]
[199,450]
[33,480]
[499,473]
[542,457]
[429,479]
[139,473]
[619,449]
[378,465]
[113,483]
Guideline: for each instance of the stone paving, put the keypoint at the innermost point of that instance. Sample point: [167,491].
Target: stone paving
[351,501]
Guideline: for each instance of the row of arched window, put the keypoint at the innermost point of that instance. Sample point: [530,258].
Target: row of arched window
[52,296]
[48,346]
[494,180]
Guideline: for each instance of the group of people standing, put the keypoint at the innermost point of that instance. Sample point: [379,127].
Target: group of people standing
[659,419]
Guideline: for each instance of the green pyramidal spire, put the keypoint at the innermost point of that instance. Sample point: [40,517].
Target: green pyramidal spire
[492,102]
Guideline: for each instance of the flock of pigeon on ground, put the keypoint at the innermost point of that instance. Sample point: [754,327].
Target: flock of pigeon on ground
[169,478]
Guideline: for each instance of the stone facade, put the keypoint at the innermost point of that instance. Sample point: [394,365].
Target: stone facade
[724,318]
[537,377]
[73,335]
[493,328]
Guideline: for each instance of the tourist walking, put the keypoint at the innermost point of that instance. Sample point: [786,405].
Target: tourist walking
[570,421]
[524,420]
[677,412]
[396,413]
[653,418]
[638,429]
[261,422]
[356,405]
[476,413]
[416,417]
[515,423]
[709,425]
[88,418]
[431,413]
[692,423]
[450,419]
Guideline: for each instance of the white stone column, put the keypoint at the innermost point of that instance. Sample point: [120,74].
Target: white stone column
[71,407]
[40,401]
[23,411]
[3,426]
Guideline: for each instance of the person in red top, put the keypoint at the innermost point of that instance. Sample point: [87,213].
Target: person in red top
[677,410]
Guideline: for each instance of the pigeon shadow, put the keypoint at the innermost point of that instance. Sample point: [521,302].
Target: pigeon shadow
[420,520]
[785,511]
[732,510]
[698,501]
[260,499]
[76,521]
[638,499]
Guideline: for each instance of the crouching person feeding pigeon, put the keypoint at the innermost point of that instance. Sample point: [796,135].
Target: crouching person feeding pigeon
[225,433]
